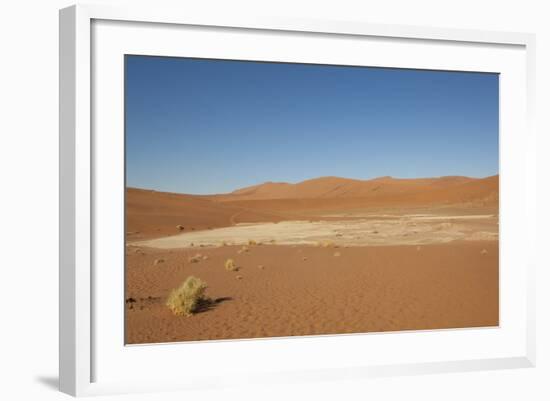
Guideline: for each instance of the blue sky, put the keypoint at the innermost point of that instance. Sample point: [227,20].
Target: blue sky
[211,126]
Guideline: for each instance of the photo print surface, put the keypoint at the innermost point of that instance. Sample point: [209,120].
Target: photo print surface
[279,199]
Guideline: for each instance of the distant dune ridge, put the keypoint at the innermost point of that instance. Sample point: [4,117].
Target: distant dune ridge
[454,188]
[154,214]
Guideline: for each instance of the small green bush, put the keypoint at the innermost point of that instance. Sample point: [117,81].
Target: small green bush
[185,299]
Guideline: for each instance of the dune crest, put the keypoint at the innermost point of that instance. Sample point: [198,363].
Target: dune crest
[447,189]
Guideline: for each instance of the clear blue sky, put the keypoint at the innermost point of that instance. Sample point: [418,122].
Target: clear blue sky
[212,126]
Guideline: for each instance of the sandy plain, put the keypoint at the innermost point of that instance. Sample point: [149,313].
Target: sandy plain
[326,256]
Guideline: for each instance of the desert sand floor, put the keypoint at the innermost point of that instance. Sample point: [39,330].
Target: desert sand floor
[336,256]
[385,229]
[292,290]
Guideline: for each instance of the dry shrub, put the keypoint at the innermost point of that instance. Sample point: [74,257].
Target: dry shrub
[251,242]
[185,299]
[230,265]
[158,261]
[180,227]
[195,259]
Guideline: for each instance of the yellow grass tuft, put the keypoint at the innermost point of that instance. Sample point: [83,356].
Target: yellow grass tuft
[230,265]
[184,299]
[251,242]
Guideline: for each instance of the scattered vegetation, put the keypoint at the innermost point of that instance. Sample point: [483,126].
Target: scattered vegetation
[251,242]
[195,259]
[158,261]
[243,249]
[230,265]
[180,227]
[185,299]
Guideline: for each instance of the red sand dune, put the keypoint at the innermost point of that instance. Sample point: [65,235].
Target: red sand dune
[443,189]
[155,214]
[331,193]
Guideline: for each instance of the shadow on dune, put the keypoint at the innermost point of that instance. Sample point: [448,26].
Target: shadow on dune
[205,305]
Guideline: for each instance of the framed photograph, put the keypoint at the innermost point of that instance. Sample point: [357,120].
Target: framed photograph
[249,201]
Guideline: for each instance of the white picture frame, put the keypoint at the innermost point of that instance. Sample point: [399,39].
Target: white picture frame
[80,342]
